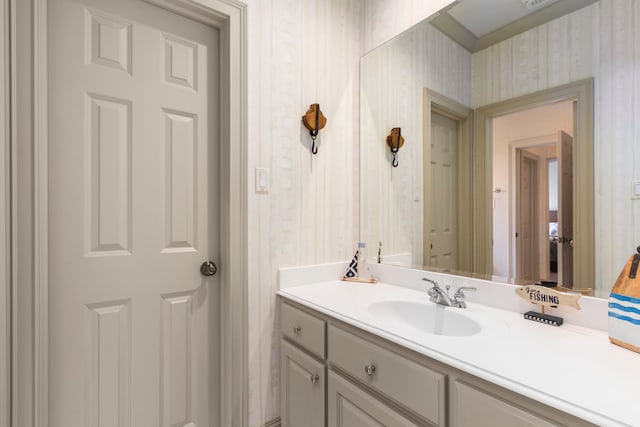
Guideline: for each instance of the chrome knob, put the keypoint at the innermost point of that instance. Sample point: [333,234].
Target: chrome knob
[208,268]
[370,370]
[297,330]
[315,378]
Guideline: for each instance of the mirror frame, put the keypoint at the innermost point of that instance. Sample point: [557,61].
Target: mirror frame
[583,177]
[481,226]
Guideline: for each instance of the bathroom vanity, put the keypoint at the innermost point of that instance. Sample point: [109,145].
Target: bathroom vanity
[355,354]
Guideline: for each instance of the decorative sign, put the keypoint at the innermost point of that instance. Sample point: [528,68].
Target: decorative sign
[546,297]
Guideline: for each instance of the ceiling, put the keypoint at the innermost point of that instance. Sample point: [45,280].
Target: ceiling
[478,24]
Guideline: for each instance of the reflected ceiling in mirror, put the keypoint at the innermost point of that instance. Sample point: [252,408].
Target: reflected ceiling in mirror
[597,41]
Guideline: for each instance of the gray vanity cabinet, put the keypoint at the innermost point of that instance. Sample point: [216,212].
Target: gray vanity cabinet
[302,368]
[404,381]
[351,406]
[472,406]
[302,388]
[337,375]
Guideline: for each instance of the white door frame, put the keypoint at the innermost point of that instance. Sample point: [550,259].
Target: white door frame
[230,17]
[5,218]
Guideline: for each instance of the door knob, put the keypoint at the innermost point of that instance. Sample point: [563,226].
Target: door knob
[208,268]
[370,370]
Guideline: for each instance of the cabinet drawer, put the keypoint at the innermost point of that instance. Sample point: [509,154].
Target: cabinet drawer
[350,406]
[473,407]
[408,383]
[304,329]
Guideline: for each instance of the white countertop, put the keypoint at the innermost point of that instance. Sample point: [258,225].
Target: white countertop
[571,368]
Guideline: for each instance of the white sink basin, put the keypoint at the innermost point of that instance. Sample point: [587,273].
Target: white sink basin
[425,317]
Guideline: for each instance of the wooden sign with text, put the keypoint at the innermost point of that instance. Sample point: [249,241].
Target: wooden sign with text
[544,296]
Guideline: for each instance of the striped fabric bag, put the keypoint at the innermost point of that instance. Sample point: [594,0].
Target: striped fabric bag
[624,306]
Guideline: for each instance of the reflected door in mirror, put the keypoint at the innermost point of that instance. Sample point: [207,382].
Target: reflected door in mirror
[442,204]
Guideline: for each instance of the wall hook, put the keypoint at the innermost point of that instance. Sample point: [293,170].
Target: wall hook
[395,141]
[314,120]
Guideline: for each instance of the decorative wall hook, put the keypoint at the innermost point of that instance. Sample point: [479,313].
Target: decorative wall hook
[314,120]
[395,141]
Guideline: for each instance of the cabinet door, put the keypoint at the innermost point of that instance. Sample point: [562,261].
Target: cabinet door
[350,406]
[472,407]
[302,385]
[414,386]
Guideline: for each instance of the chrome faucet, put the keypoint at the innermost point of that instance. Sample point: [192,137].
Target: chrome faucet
[440,296]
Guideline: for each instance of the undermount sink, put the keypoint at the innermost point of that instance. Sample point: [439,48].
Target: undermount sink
[425,317]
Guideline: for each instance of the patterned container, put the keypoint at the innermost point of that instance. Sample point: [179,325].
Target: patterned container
[624,306]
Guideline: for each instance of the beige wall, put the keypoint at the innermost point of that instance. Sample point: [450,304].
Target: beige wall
[300,52]
[393,79]
[385,19]
[600,41]
[310,214]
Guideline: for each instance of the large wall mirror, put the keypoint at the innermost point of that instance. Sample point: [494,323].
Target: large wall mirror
[521,155]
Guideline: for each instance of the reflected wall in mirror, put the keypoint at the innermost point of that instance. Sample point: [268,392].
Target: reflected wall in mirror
[401,206]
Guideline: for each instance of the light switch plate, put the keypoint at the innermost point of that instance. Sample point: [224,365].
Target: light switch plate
[262,180]
[635,190]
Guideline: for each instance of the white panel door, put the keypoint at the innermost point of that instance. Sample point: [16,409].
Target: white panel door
[565,210]
[133,134]
[443,205]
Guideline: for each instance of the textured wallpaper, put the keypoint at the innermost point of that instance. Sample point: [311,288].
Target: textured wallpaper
[600,41]
[393,78]
[308,51]
[300,52]
[385,19]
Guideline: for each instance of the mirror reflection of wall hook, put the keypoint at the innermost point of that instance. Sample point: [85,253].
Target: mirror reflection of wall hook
[395,140]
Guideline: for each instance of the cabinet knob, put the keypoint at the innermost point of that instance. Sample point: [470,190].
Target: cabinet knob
[370,370]
[297,330]
[315,378]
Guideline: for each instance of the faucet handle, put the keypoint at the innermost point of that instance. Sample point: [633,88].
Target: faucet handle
[458,297]
[433,282]
[433,292]
[460,291]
